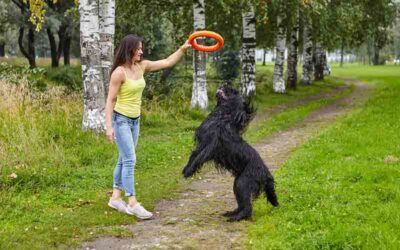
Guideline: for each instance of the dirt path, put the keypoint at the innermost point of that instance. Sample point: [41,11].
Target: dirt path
[192,220]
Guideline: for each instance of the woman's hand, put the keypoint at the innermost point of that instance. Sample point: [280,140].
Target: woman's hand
[185,46]
[110,134]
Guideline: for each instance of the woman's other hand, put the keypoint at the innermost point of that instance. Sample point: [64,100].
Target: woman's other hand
[110,135]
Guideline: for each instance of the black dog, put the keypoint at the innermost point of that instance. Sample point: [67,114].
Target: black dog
[219,139]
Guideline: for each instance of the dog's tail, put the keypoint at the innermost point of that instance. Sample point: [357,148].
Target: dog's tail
[270,192]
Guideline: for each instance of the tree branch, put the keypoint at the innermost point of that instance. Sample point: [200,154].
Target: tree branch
[18,3]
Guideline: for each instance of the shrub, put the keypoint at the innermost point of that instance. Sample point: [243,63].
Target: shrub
[68,76]
[15,74]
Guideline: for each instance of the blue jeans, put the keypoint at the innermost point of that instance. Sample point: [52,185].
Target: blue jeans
[126,131]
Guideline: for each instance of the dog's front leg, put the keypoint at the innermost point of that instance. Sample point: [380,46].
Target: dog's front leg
[190,169]
[198,158]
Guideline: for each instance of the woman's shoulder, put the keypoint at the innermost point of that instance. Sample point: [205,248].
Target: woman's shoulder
[142,64]
[119,73]
[120,69]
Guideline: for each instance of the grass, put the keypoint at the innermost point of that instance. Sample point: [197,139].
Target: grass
[340,190]
[55,179]
[293,115]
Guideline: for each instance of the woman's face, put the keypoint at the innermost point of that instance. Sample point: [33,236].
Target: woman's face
[137,54]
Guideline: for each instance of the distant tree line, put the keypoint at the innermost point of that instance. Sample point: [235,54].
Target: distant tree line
[306,28]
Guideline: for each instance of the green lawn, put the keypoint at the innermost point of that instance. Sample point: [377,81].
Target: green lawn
[341,189]
[55,179]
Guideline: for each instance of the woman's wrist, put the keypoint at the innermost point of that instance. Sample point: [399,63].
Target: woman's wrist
[183,49]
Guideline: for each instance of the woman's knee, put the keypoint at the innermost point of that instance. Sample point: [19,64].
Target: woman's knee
[129,161]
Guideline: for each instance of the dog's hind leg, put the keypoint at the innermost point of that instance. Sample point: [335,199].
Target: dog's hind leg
[235,211]
[231,213]
[242,188]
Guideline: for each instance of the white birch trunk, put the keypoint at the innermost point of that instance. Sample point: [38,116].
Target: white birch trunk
[279,82]
[91,61]
[319,62]
[307,52]
[199,91]
[292,53]
[248,54]
[107,30]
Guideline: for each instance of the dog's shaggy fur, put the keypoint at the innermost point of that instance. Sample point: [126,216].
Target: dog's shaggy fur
[219,139]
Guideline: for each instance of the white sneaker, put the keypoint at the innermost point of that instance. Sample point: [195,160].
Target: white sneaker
[138,211]
[119,205]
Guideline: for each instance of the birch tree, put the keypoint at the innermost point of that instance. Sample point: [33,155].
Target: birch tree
[279,82]
[107,30]
[248,83]
[199,91]
[319,54]
[307,49]
[96,36]
[292,50]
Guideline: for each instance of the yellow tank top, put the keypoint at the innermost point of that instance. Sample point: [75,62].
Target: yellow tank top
[129,98]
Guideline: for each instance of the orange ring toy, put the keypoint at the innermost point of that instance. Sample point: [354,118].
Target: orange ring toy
[206,33]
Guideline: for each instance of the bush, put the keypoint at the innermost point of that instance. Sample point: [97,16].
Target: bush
[39,78]
[15,74]
[68,76]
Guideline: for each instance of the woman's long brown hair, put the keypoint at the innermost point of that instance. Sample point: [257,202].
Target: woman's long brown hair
[125,51]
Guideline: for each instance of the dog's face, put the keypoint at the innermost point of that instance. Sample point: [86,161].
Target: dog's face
[226,93]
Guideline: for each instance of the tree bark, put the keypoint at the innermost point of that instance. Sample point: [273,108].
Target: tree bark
[66,49]
[319,63]
[91,61]
[199,91]
[248,81]
[53,48]
[61,37]
[376,55]
[107,31]
[307,52]
[31,48]
[264,56]
[292,54]
[30,52]
[279,82]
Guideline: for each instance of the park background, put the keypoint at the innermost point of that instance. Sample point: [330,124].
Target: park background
[55,168]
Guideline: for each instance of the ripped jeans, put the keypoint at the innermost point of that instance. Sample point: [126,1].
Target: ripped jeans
[126,131]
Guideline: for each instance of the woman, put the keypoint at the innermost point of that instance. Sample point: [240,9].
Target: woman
[123,116]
